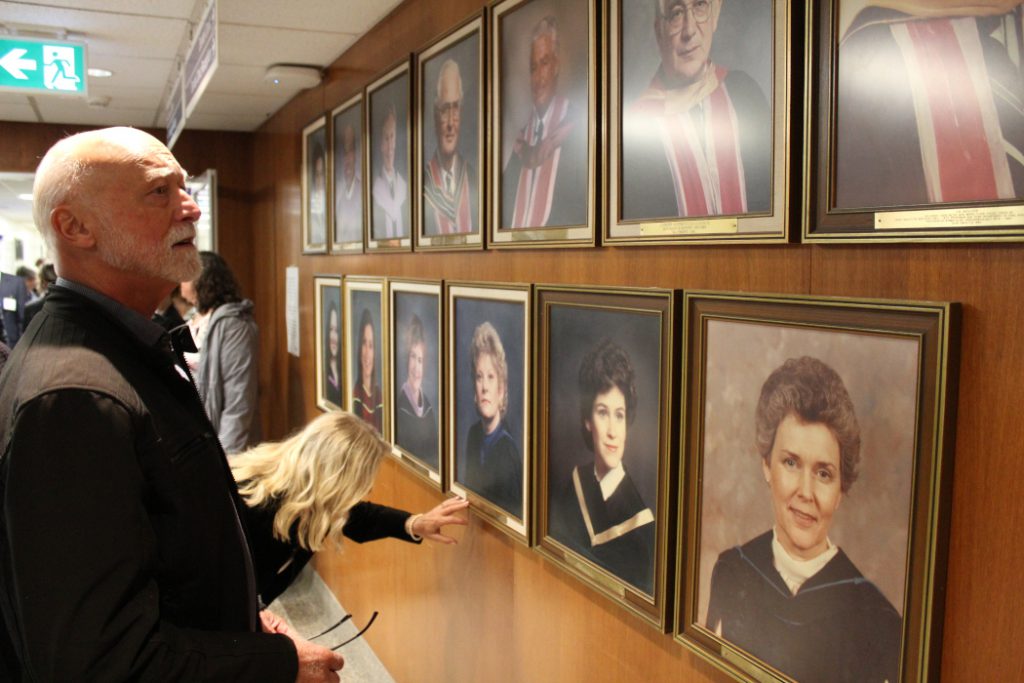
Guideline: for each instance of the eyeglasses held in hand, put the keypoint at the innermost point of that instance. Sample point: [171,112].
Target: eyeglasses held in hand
[345,618]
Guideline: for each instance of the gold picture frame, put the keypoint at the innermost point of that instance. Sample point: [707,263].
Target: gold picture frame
[544,164]
[348,151]
[793,405]
[489,456]
[328,341]
[453,68]
[605,407]
[316,198]
[704,158]
[364,307]
[416,360]
[389,205]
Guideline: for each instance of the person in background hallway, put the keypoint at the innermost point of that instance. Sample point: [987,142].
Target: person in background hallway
[306,492]
[167,315]
[31,282]
[47,276]
[227,376]
[107,450]
[14,295]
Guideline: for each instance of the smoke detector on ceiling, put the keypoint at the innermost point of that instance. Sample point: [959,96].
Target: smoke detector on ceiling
[293,75]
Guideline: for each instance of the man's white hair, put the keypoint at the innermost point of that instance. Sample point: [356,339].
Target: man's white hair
[548,26]
[449,65]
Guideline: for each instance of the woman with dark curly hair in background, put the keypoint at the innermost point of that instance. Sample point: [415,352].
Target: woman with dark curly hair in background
[227,374]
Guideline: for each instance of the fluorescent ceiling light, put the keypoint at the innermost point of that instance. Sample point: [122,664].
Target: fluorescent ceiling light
[100,73]
[26,197]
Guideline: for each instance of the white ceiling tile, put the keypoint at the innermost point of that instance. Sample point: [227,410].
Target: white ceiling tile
[257,46]
[347,16]
[181,9]
[239,122]
[103,32]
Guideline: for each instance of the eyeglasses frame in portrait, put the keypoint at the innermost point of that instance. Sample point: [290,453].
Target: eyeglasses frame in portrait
[500,293]
[824,221]
[934,329]
[316,128]
[442,48]
[756,226]
[660,307]
[539,236]
[401,72]
[434,477]
[321,285]
[353,105]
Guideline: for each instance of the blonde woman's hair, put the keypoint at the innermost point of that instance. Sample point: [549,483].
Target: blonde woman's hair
[314,477]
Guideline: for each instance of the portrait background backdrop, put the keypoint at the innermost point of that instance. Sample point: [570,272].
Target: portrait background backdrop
[509,320]
[880,374]
[574,332]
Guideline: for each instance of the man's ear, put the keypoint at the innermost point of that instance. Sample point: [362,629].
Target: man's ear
[67,223]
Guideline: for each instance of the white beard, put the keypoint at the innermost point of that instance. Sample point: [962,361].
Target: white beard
[124,252]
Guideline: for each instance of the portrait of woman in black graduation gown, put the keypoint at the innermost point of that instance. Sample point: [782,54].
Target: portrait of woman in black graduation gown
[790,596]
[602,514]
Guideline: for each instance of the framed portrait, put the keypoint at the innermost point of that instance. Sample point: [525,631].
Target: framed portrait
[365,340]
[315,193]
[605,364]
[818,436]
[699,121]
[327,306]
[347,176]
[389,145]
[544,123]
[915,126]
[415,310]
[450,188]
[488,454]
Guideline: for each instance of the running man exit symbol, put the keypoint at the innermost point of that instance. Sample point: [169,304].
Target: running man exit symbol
[59,68]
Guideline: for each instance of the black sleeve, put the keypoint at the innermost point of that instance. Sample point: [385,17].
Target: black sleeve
[717,607]
[369,522]
[79,559]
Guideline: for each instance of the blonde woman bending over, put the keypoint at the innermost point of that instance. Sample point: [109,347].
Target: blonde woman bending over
[306,492]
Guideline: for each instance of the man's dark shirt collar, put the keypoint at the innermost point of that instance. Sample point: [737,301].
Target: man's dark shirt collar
[147,331]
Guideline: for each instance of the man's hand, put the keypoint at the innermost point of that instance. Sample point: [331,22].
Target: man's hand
[316,664]
[429,524]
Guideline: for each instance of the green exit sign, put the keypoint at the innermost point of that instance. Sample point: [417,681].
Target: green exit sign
[30,65]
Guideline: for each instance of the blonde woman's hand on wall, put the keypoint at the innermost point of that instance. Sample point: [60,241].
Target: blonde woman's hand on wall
[430,525]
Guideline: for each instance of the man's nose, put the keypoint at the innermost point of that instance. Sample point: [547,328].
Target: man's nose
[190,211]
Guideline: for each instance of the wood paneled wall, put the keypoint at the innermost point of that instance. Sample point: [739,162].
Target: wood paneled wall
[491,610]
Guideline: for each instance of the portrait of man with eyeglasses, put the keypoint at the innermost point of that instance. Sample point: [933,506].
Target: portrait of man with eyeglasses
[696,125]
[450,189]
